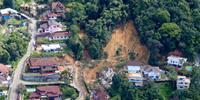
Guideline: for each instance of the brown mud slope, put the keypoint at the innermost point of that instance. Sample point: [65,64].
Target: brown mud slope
[126,38]
[69,59]
[90,73]
[81,34]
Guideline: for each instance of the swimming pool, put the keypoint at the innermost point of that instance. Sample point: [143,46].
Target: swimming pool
[188,68]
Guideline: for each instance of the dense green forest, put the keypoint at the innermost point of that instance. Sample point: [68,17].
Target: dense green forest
[164,25]
[12,46]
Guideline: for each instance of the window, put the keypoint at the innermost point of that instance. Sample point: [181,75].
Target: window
[180,83]
[180,78]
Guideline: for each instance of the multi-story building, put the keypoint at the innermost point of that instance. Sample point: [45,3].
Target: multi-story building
[135,73]
[182,82]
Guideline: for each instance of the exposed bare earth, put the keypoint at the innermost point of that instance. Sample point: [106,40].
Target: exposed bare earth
[124,38]
[69,59]
[90,73]
[81,34]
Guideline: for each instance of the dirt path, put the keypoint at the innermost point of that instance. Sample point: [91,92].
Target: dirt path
[77,78]
[78,83]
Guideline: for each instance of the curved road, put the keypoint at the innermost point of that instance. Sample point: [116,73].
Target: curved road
[77,81]
[17,73]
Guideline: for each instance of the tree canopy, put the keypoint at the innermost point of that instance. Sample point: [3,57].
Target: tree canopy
[163,25]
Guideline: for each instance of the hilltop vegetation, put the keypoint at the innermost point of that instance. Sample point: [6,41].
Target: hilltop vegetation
[12,46]
[166,25]
[163,25]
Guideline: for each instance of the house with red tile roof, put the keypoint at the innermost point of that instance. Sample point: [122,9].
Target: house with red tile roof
[58,8]
[46,93]
[61,35]
[42,69]
[4,75]
[43,65]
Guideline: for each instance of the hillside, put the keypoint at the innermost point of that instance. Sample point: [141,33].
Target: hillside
[126,38]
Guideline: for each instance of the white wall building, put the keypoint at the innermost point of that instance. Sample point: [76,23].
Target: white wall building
[177,61]
[182,82]
[50,27]
[51,47]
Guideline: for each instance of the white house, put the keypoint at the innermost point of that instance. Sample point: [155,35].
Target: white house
[7,10]
[62,35]
[135,75]
[51,47]
[50,27]
[182,82]
[175,60]
[4,75]
[4,93]
[152,73]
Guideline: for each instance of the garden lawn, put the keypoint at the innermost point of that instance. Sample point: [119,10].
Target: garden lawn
[165,90]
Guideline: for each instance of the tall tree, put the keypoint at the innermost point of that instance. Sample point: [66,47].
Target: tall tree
[9,3]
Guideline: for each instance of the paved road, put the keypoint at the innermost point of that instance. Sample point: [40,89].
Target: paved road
[17,74]
[77,81]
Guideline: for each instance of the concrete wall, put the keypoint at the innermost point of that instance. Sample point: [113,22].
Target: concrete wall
[49,78]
